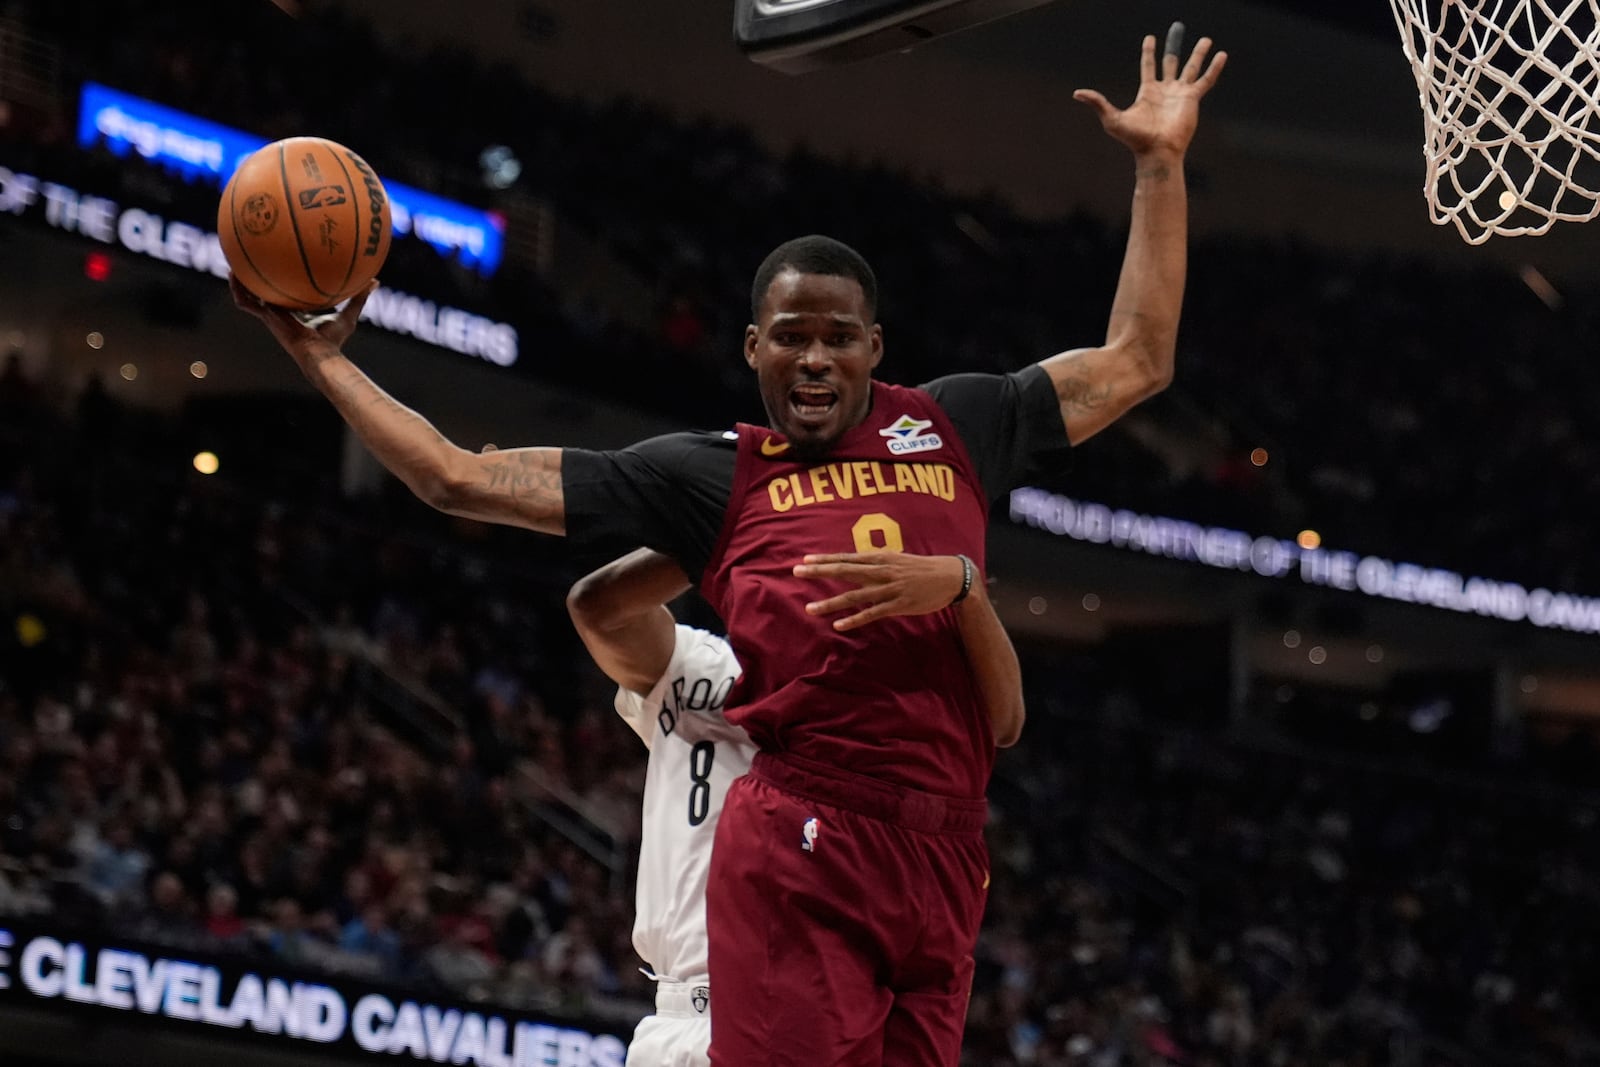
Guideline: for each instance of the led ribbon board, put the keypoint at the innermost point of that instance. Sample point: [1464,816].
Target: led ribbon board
[1280,558]
[200,148]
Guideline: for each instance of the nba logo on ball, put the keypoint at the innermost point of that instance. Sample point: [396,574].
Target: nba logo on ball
[304,223]
[808,834]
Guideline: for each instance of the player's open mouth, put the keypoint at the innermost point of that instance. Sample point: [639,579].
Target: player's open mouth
[812,402]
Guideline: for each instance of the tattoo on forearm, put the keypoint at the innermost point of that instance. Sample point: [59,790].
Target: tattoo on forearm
[1080,394]
[524,474]
[521,486]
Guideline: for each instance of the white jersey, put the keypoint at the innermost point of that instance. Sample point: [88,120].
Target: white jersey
[695,754]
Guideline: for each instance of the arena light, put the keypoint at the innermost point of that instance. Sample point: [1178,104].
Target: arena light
[1309,539]
[501,167]
[31,631]
[198,368]
[129,371]
[207,462]
[1259,457]
[97,266]
[95,340]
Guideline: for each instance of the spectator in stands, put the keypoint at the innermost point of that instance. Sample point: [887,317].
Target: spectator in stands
[114,867]
[168,917]
[369,934]
[222,923]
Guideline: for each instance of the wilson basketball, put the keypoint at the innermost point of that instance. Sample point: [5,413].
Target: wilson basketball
[304,223]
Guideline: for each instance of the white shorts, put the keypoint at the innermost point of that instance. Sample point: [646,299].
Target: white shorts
[679,1033]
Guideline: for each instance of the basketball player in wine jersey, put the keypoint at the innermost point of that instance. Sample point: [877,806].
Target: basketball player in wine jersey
[673,683]
[851,946]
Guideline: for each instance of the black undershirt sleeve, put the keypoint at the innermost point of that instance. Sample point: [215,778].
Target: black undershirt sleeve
[1010,423]
[668,493]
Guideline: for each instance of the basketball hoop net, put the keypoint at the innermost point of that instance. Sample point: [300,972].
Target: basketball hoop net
[1510,93]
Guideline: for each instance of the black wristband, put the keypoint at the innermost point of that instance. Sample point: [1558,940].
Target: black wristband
[968,572]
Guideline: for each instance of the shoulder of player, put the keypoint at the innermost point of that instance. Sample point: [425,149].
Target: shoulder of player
[702,440]
[706,453]
[702,653]
[975,388]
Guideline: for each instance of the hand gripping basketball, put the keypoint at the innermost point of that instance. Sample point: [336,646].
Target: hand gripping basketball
[301,334]
[1162,118]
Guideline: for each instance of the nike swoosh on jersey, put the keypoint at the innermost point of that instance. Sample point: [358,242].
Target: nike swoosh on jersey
[771,447]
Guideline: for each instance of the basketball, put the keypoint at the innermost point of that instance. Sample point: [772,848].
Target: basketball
[304,223]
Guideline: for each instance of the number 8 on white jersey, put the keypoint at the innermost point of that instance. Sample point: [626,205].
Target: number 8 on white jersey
[694,756]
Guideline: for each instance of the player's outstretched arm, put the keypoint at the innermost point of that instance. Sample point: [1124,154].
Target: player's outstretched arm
[620,613]
[517,487]
[1097,385]
[904,583]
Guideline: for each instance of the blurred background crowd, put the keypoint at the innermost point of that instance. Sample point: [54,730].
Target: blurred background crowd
[260,718]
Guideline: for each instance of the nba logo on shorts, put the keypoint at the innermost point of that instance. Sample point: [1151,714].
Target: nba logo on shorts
[808,834]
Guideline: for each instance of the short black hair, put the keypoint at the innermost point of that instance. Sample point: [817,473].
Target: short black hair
[814,254]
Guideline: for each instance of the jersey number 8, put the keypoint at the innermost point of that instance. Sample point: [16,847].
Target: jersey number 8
[700,757]
[874,527]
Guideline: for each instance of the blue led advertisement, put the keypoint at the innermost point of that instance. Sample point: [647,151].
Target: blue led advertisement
[199,148]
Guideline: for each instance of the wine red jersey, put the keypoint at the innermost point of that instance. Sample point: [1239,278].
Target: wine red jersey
[896,699]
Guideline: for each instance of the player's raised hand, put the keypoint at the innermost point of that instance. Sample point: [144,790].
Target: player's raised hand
[1162,118]
[888,583]
[299,334]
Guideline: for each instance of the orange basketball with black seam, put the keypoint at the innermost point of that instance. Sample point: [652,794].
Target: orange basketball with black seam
[304,223]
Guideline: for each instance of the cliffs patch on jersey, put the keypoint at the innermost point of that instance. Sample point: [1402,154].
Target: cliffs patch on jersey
[907,435]
[860,478]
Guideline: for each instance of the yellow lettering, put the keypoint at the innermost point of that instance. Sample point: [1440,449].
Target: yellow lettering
[840,477]
[905,479]
[778,490]
[863,481]
[800,498]
[927,479]
[947,482]
[877,479]
[819,484]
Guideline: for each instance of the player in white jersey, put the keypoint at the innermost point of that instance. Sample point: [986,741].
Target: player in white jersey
[673,682]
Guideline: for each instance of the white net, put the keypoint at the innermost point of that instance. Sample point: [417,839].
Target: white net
[1511,105]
